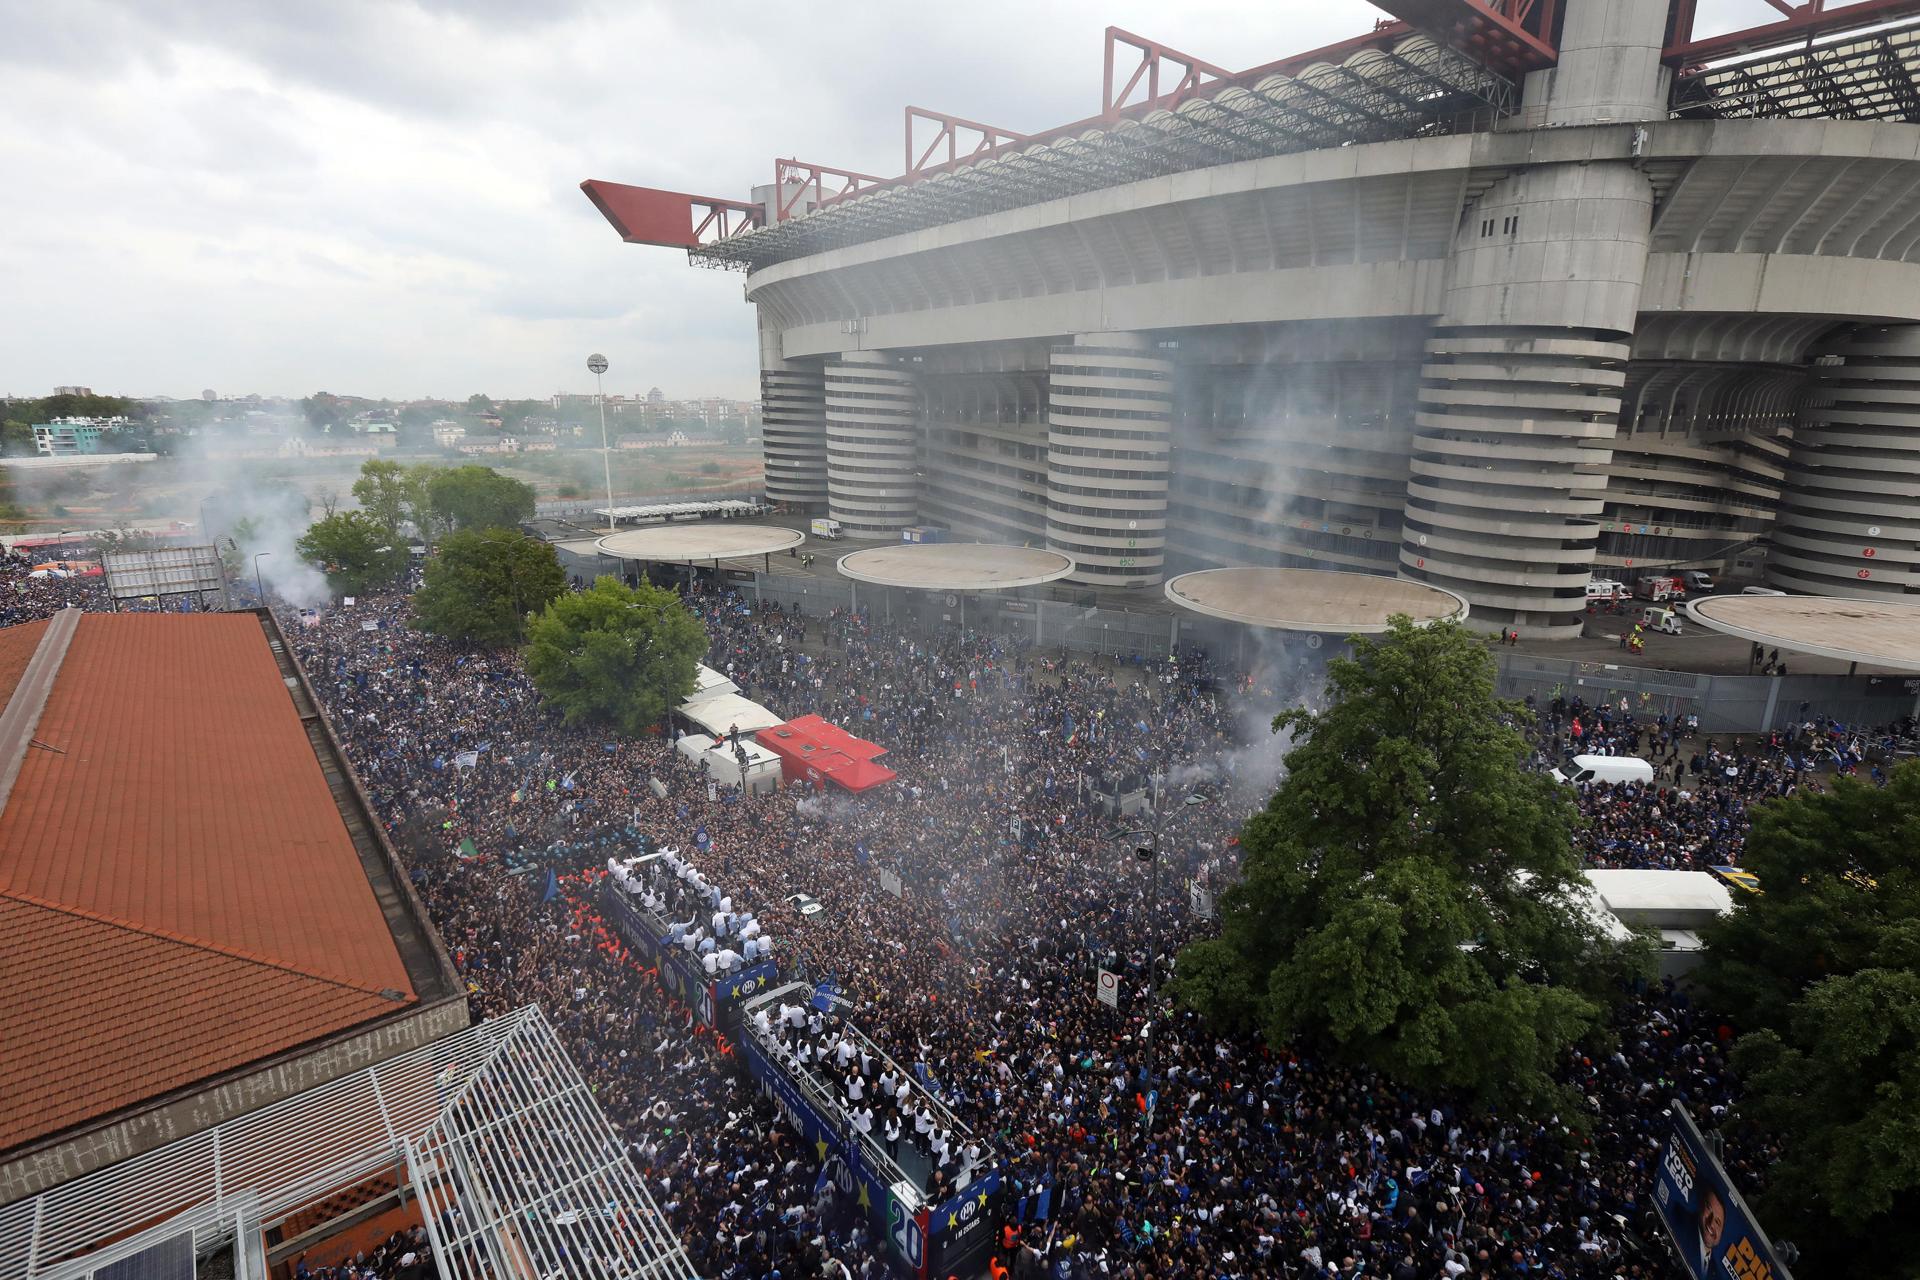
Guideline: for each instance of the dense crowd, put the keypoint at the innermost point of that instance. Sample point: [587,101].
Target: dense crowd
[1695,813]
[28,592]
[978,979]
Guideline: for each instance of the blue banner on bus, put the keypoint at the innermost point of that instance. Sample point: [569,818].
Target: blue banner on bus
[1713,1231]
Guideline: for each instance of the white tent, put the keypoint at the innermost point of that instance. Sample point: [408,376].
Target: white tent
[707,683]
[725,711]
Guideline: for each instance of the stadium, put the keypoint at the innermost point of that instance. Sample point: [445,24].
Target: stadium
[1500,296]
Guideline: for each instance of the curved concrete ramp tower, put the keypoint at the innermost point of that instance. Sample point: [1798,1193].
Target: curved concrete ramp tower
[793,426]
[1520,392]
[873,444]
[1110,409]
[1849,525]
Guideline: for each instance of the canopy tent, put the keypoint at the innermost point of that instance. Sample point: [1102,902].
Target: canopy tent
[708,683]
[817,752]
[723,712]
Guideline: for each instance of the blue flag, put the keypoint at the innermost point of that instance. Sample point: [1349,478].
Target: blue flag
[553,886]
[825,994]
[860,852]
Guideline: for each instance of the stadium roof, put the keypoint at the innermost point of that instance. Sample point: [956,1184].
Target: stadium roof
[180,895]
[1414,88]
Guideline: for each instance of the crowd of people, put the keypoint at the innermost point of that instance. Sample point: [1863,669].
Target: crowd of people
[28,592]
[978,979]
[1223,1157]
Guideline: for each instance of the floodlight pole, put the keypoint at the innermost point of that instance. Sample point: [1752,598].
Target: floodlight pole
[258,586]
[1152,853]
[598,363]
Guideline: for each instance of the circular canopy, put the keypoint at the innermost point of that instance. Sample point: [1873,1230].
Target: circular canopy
[1317,600]
[715,540]
[955,566]
[1881,633]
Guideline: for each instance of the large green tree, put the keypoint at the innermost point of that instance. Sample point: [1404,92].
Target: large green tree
[381,491]
[354,550]
[614,654]
[1409,897]
[476,497]
[1823,969]
[483,584]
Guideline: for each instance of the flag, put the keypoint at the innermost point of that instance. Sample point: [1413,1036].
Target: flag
[820,1183]
[468,850]
[826,994]
[467,760]
[553,886]
[860,852]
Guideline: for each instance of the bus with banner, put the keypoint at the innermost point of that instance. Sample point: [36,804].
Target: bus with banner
[715,998]
[1713,1232]
[925,1240]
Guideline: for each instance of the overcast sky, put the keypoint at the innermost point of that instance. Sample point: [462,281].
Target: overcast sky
[381,197]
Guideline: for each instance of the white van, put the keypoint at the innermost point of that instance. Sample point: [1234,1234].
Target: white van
[1614,769]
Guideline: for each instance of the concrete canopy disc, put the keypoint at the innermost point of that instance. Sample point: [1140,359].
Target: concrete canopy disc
[717,540]
[955,566]
[1315,600]
[1880,633]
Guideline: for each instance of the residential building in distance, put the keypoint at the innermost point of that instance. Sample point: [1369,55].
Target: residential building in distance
[65,437]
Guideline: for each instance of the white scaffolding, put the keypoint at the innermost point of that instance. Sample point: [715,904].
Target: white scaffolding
[423,1118]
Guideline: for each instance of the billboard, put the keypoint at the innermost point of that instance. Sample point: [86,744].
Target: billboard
[163,571]
[1713,1232]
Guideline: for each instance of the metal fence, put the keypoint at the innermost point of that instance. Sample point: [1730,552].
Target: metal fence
[1724,703]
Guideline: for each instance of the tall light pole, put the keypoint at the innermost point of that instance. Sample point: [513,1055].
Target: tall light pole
[257,585]
[1150,854]
[598,363]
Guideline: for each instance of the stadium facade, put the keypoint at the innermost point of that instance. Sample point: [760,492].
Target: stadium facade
[1500,296]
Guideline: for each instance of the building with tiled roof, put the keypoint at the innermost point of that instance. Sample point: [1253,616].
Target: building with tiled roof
[199,914]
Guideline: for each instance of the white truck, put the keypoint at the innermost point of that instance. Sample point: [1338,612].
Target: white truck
[826,528]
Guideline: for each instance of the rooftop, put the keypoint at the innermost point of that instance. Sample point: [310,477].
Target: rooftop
[707,540]
[955,566]
[1311,600]
[1880,633]
[180,894]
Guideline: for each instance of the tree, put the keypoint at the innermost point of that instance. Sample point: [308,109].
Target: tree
[479,403]
[381,492]
[16,439]
[614,654]
[476,497]
[483,584]
[417,496]
[1408,899]
[1824,966]
[354,550]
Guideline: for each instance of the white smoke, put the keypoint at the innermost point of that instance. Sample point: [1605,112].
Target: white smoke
[255,517]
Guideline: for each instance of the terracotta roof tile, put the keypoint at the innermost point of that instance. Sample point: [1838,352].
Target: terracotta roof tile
[179,895]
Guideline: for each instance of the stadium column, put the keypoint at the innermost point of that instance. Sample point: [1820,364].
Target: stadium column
[1110,405]
[873,444]
[1521,387]
[793,427]
[1847,525]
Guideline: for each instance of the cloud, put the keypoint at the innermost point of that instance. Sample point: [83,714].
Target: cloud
[380,196]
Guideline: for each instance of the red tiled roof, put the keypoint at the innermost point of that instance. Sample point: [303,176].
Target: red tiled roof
[179,895]
[16,650]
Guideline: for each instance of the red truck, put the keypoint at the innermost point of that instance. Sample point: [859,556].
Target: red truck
[1660,588]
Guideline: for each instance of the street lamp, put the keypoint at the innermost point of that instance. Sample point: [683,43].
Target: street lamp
[257,585]
[1150,854]
[598,363]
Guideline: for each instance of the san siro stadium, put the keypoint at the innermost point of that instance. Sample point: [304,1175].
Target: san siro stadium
[1500,296]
